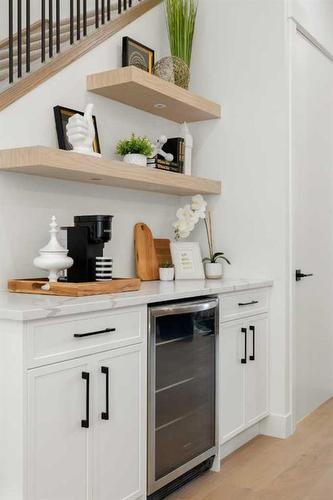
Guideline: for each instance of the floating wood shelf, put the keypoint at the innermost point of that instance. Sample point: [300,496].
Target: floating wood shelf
[59,164]
[137,88]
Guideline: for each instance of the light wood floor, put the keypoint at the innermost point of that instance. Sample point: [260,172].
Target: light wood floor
[297,468]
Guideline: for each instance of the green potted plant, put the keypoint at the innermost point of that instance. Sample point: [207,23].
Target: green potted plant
[180,17]
[167,272]
[135,150]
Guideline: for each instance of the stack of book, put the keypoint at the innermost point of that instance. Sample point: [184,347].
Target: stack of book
[176,147]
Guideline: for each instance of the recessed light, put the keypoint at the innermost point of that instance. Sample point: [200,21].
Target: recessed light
[159,105]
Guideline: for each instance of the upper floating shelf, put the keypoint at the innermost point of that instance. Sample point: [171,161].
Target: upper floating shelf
[137,88]
[59,164]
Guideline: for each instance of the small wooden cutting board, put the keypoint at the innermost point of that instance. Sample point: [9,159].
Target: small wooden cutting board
[145,254]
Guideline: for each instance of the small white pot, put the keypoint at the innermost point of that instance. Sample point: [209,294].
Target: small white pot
[167,273]
[214,270]
[136,159]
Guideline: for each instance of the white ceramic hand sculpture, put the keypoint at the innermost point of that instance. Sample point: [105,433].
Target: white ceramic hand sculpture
[81,132]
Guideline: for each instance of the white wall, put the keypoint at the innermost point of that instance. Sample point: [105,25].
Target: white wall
[27,203]
[240,59]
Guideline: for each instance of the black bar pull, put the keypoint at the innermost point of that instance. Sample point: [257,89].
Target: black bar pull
[248,303]
[244,360]
[99,332]
[299,275]
[27,36]
[85,422]
[106,414]
[252,357]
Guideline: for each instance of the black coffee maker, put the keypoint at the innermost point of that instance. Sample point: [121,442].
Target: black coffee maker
[85,242]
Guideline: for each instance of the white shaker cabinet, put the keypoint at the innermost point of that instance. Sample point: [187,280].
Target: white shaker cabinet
[244,344]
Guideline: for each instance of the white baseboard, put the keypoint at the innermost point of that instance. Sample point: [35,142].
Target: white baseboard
[239,440]
[275,425]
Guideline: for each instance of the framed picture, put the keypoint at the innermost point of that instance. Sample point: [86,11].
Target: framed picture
[186,258]
[136,54]
[62,116]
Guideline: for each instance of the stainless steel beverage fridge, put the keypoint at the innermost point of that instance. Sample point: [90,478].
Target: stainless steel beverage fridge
[181,397]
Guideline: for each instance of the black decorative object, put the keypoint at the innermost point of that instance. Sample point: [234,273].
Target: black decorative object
[136,54]
[62,115]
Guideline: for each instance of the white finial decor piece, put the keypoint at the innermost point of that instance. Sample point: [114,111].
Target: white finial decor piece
[188,140]
[53,257]
[81,132]
[158,148]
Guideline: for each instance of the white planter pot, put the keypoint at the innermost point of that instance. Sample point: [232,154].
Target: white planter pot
[136,159]
[214,270]
[167,273]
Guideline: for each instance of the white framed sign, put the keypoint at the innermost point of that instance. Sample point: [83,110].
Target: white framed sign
[186,257]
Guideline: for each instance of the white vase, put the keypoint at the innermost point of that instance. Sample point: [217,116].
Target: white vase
[214,270]
[53,257]
[135,159]
[167,273]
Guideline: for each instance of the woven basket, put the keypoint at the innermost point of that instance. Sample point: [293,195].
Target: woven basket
[173,69]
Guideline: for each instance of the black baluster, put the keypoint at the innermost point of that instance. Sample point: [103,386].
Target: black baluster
[84,17]
[71,22]
[51,28]
[43,31]
[125,4]
[10,41]
[96,13]
[103,11]
[19,38]
[109,10]
[58,25]
[78,19]
[119,6]
[130,3]
[27,36]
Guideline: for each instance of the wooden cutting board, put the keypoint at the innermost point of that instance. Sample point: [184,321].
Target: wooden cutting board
[162,248]
[41,286]
[145,254]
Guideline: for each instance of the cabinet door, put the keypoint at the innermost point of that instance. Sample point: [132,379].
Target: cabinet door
[257,370]
[120,425]
[232,379]
[57,442]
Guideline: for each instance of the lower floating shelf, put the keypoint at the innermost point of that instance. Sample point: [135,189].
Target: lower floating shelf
[59,164]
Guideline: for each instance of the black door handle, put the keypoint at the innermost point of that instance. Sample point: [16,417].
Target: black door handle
[244,360]
[106,414]
[85,422]
[299,275]
[80,335]
[253,355]
[248,303]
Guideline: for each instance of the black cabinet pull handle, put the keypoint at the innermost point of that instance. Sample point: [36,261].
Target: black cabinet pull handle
[253,355]
[86,377]
[106,414]
[81,335]
[244,360]
[248,303]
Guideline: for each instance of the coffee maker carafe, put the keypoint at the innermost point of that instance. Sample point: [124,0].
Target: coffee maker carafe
[85,242]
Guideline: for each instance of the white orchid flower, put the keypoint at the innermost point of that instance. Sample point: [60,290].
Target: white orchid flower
[199,206]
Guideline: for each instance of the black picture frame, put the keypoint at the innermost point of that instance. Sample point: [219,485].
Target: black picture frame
[137,54]
[61,116]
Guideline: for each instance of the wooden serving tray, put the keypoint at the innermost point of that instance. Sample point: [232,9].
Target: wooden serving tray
[35,286]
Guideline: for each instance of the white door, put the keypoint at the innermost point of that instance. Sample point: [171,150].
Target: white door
[57,442]
[312,116]
[120,425]
[232,378]
[256,387]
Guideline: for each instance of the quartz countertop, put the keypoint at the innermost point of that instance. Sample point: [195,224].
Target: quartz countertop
[26,307]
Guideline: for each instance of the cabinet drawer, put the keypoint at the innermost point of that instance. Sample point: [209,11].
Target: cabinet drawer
[50,341]
[241,304]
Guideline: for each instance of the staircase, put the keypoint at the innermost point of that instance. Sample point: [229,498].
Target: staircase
[38,50]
